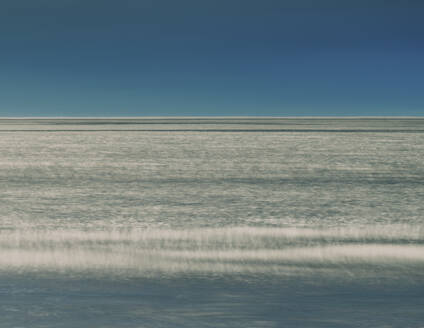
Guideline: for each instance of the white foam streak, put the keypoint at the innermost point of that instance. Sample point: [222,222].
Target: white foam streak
[250,249]
[206,235]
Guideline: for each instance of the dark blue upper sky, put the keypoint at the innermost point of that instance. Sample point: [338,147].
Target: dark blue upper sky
[211,57]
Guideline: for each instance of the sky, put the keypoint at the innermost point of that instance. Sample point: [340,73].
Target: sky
[211,58]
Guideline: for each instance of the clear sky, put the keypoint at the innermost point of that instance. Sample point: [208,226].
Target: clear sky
[211,57]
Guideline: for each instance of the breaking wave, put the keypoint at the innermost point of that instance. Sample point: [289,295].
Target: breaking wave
[282,251]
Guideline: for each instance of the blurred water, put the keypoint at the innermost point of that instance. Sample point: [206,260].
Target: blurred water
[212,222]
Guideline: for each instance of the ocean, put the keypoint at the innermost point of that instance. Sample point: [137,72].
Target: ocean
[212,222]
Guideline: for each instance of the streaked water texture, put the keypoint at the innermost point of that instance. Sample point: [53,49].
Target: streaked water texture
[220,222]
[253,250]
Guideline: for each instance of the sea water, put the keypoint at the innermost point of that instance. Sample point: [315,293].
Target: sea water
[212,222]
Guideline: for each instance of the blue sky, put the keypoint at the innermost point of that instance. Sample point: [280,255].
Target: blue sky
[204,57]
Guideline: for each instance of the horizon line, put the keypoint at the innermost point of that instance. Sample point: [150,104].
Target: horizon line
[211,117]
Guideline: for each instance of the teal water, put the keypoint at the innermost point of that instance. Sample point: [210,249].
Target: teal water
[224,222]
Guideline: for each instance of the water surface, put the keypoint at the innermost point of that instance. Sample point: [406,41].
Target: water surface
[221,222]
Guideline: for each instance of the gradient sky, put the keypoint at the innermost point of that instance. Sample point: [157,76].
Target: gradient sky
[211,57]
